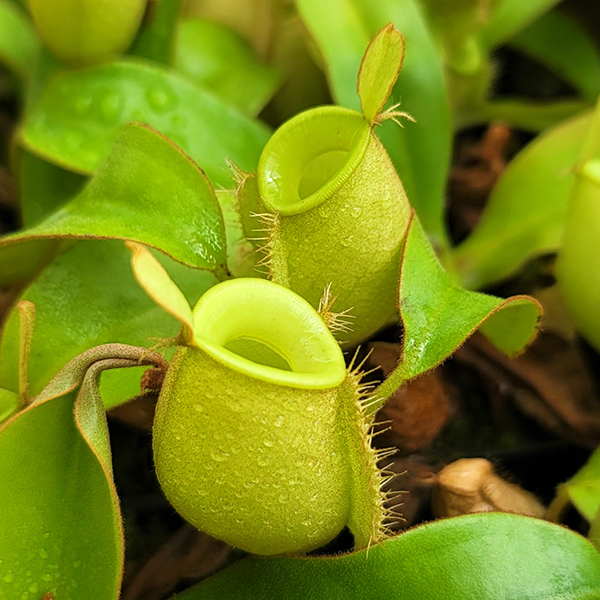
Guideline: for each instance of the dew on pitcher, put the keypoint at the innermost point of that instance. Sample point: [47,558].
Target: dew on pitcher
[219,455]
[9,577]
[279,421]
[356,211]
[46,577]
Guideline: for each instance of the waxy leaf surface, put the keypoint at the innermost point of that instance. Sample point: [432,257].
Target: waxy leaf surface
[88,297]
[79,115]
[526,212]
[438,315]
[19,44]
[174,210]
[495,556]
[213,56]
[342,30]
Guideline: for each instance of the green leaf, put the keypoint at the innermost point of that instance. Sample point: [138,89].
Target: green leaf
[55,456]
[563,44]
[9,402]
[420,151]
[43,187]
[511,16]
[379,70]
[79,115]
[157,39]
[155,281]
[60,524]
[583,488]
[88,297]
[174,210]
[495,556]
[438,315]
[214,56]
[526,211]
[19,44]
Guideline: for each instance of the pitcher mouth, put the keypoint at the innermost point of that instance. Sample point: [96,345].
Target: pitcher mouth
[310,157]
[268,332]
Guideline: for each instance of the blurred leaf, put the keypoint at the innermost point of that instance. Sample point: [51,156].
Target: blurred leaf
[421,152]
[43,187]
[526,211]
[530,115]
[216,57]
[19,44]
[157,40]
[495,556]
[584,488]
[88,297]
[175,210]
[560,42]
[80,113]
[438,315]
[511,16]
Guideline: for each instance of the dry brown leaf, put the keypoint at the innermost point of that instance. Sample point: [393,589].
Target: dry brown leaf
[416,412]
[550,383]
[470,485]
[138,412]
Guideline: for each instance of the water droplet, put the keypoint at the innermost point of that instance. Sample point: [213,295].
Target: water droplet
[199,408]
[347,242]
[46,577]
[279,421]
[356,211]
[77,564]
[269,443]
[46,535]
[310,408]
[219,455]
[24,595]
[159,99]
[33,588]
[263,461]
[111,107]
[43,553]
[8,577]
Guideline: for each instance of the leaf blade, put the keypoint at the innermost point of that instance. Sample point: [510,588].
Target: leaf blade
[79,115]
[495,555]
